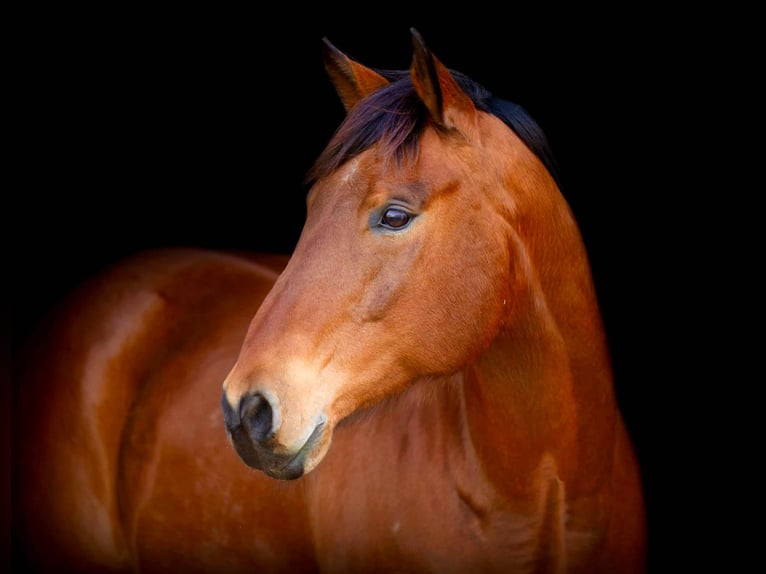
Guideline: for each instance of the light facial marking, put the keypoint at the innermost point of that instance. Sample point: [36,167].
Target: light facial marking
[351,168]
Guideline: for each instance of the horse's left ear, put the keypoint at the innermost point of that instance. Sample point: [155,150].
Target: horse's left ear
[447,103]
[351,80]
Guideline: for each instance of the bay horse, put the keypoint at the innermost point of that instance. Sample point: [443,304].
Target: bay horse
[424,385]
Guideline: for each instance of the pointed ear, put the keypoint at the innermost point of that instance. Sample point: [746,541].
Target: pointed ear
[351,80]
[447,103]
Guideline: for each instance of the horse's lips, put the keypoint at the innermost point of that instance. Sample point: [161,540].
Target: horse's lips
[270,463]
[295,466]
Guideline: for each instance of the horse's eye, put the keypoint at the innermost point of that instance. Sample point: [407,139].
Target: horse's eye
[395,218]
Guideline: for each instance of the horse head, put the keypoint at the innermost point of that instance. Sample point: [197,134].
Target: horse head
[405,270]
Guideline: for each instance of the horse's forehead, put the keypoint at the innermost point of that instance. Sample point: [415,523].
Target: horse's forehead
[434,157]
[437,158]
[347,172]
[372,169]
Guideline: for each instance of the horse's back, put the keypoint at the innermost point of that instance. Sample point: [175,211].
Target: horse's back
[118,410]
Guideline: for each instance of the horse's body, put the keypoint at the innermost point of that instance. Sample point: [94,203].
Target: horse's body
[428,375]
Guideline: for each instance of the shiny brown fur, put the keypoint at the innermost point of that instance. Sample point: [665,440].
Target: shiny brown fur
[440,397]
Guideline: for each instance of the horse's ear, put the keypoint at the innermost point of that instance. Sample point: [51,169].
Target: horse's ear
[351,80]
[446,101]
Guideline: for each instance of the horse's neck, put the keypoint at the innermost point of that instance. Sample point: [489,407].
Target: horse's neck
[540,399]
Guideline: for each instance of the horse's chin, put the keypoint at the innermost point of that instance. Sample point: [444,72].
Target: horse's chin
[318,452]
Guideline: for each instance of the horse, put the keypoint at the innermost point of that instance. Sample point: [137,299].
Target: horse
[422,385]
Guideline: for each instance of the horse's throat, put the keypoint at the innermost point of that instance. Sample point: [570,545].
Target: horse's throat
[520,403]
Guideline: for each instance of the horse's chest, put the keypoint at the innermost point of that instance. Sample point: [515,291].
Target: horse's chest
[414,517]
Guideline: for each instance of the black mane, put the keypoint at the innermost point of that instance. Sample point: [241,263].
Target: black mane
[395,117]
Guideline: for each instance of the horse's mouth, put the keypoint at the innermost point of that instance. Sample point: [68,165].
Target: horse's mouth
[281,466]
[296,466]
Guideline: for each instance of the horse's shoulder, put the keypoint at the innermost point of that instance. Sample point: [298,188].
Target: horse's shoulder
[137,309]
[94,373]
[165,268]
[168,276]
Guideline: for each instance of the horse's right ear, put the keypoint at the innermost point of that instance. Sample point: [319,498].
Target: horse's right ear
[351,80]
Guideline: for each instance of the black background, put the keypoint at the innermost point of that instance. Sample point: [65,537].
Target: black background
[150,129]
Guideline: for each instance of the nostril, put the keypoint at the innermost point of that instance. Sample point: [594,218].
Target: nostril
[230,417]
[257,415]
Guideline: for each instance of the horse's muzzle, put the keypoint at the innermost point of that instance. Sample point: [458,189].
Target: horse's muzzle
[252,431]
